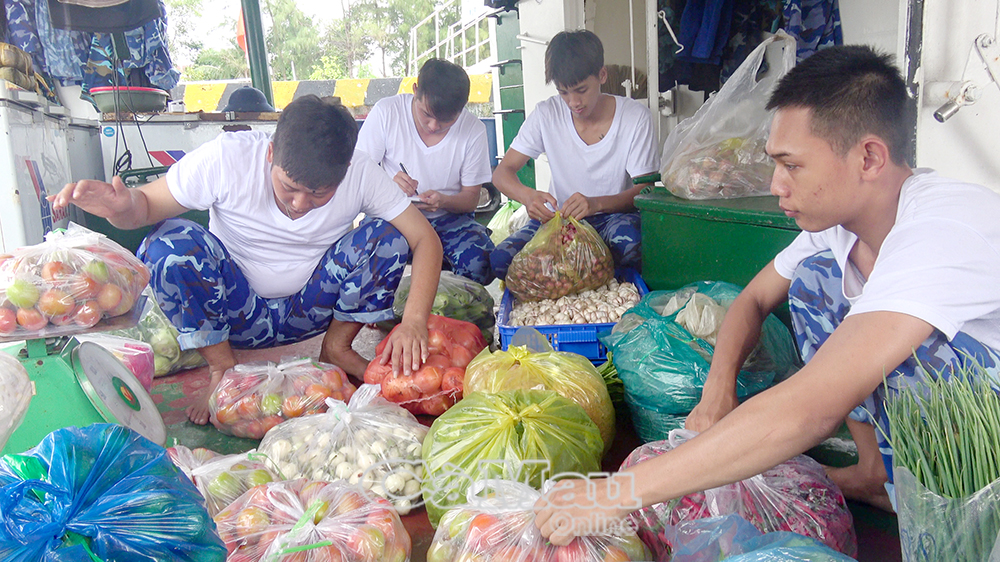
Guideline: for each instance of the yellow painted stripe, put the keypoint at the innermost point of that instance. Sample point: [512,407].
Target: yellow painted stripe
[283,92]
[480,88]
[406,85]
[203,96]
[351,92]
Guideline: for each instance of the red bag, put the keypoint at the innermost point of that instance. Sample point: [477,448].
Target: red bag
[437,385]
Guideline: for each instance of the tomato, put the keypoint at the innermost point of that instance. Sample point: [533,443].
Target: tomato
[294,406]
[109,297]
[334,377]
[317,393]
[8,321]
[227,415]
[88,314]
[54,270]
[481,530]
[453,379]
[30,319]
[248,407]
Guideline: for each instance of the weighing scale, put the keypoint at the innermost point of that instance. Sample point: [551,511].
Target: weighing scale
[80,383]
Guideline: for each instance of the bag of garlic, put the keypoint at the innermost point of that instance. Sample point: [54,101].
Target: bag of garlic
[370,441]
[571,375]
[663,346]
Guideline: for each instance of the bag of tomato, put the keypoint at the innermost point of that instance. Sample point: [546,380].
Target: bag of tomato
[438,383]
[253,397]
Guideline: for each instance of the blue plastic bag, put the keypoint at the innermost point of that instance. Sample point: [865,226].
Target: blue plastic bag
[664,366]
[732,538]
[101,492]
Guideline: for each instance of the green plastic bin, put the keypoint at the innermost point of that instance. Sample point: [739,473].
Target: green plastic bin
[718,240]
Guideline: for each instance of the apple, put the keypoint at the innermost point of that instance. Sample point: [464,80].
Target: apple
[31,319]
[481,530]
[109,297]
[439,552]
[56,302]
[22,293]
[459,522]
[8,321]
[225,486]
[348,502]
[258,477]
[327,553]
[615,554]
[97,270]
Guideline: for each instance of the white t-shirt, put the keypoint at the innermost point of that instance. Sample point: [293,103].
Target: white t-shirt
[628,150]
[940,261]
[230,176]
[390,137]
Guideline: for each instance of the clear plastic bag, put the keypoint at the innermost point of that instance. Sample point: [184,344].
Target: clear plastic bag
[934,527]
[253,397]
[15,396]
[566,256]
[664,366]
[439,382]
[457,298]
[101,492]
[370,442]
[72,281]
[137,356]
[224,478]
[189,459]
[718,153]
[312,522]
[522,435]
[500,224]
[794,496]
[569,374]
[154,329]
[497,523]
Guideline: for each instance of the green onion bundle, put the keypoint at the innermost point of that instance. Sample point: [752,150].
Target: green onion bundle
[945,437]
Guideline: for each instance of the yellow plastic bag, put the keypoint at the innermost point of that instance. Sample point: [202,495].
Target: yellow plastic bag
[566,256]
[572,376]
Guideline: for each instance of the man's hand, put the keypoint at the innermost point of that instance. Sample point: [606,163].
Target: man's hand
[406,183]
[584,507]
[579,206]
[98,198]
[430,201]
[710,410]
[536,206]
[407,348]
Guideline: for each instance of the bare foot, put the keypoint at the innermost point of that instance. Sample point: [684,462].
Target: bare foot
[859,486]
[198,412]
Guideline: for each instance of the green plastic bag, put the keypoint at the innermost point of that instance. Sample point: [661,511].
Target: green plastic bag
[664,366]
[522,435]
[500,224]
[457,297]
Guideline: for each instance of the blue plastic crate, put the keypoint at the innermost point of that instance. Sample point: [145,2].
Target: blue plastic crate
[575,338]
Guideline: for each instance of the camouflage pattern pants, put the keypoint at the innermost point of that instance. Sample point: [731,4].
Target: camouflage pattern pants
[467,246]
[818,306]
[206,296]
[620,231]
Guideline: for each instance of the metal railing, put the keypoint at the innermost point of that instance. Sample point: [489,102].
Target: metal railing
[464,44]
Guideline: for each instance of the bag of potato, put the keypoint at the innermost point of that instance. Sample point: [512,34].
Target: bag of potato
[523,435]
[566,256]
[253,397]
[497,522]
[370,442]
[438,383]
[569,374]
[74,280]
[312,521]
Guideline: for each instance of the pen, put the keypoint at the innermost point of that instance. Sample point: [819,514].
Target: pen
[403,168]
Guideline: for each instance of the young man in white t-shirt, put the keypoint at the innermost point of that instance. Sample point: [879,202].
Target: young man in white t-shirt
[893,264]
[595,144]
[436,152]
[280,261]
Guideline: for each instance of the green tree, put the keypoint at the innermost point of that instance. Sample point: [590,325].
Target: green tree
[182,42]
[293,43]
[219,64]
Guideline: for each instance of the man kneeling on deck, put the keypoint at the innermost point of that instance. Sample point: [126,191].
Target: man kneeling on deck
[279,262]
[895,275]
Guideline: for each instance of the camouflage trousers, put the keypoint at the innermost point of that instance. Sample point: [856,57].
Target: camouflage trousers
[620,231]
[467,246]
[818,305]
[205,295]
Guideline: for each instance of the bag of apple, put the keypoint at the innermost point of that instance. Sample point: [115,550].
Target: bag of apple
[226,477]
[189,459]
[370,442]
[499,525]
[253,397]
[70,282]
[309,521]
[565,257]
[437,385]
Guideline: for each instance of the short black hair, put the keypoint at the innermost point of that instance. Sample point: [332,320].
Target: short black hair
[444,87]
[852,91]
[314,142]
[572,57]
